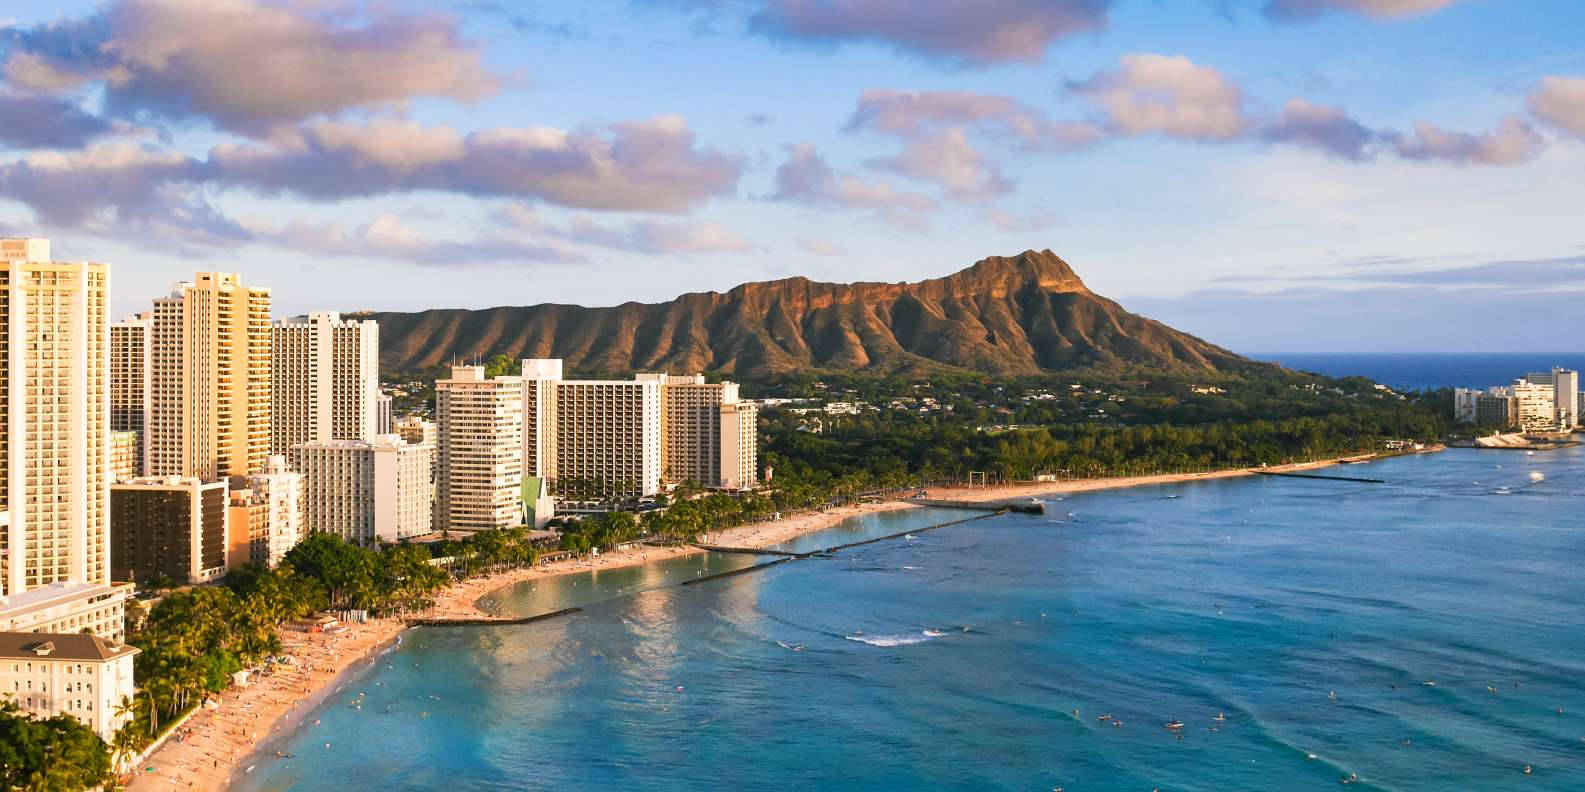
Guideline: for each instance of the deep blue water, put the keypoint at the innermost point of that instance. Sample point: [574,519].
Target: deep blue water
[957,660]
[1425,371]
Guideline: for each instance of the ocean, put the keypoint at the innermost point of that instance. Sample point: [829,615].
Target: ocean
[1427,371]
[1025,652]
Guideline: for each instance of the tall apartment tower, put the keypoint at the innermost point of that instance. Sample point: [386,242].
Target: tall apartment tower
[55,444]
[1565,394]
[1537,405]
[739,445]
[130,355]
[608,439]
[325,380]
[384,421]
[540,380]
[479,457]
[209,394]
[708,435]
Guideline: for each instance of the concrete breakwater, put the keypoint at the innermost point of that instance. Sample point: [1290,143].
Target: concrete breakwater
[1028,506]
[485,620]
[1322,478]
[824,553]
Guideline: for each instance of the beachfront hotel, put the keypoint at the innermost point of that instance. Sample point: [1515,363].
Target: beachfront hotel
[209,393]
[325,381]
[708,434]
[607,439]
[479,456]
[171,527]
[55,445]
[368,490]
[84,676]
[540,378]
[130,354]
[265,517]
[1540,402]
[613,439]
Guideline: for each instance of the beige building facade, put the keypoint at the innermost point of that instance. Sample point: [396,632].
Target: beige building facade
[479,464]
[83,676]
[368,490]
[55,462]
[130,355]
[209,393]
[607,439]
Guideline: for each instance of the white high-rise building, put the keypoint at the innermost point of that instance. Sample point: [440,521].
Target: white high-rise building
[739,445]
[1565,395]
[479,465]
[130,355]
[55,445]
[326,380]
[384,422]
[368,490]
[540,380]
[209,392]
[1537,407]
[415,430]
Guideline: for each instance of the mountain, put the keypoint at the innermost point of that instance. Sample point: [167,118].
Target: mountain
[1028,314]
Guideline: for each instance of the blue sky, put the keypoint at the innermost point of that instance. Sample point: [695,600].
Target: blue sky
[1274,175]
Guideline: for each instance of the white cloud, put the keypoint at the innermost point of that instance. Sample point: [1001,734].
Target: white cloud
[1170,95]
[1560,101]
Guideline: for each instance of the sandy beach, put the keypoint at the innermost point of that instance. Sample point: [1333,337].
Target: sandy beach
[213,745]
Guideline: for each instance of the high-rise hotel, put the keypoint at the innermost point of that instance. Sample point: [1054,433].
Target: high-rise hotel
[130,355]
[478,460]
[709,436]
[55,445]
[326,381]
[209,391]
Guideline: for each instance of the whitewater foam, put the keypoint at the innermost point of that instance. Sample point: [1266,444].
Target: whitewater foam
[903,639]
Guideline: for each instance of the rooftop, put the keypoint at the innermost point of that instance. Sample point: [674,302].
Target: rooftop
[60,646]
[49,595]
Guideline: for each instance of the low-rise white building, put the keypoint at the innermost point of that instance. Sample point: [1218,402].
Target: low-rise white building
[84,676]
[367,490]
[68,607]
[266,516]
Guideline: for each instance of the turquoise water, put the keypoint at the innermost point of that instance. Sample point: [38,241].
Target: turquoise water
[1252,597]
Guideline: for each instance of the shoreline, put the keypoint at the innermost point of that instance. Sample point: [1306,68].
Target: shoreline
[231,737]
[267,745]
[463,601]
[1036,488]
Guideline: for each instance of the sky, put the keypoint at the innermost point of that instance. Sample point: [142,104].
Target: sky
[1272,175]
